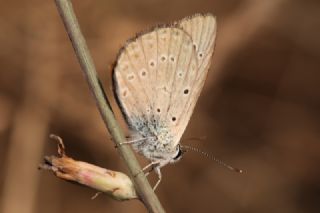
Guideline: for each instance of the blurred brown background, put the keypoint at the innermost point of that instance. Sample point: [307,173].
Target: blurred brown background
[259,108]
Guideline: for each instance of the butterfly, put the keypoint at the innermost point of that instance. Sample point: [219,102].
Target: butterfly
[157,78]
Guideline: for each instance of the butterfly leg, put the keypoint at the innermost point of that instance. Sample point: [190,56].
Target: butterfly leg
[147,167]
[134,141]
[147,173]
[130,142]
[157,170]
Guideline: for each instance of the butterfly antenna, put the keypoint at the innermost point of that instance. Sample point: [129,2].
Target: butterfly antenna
[202,138]
[211,157]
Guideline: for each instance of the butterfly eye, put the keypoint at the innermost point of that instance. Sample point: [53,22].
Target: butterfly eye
[186,91]
[179,154]
[174,119]
[158,110]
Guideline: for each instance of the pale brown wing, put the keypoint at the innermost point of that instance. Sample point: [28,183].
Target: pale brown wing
[148,72]
[202,29]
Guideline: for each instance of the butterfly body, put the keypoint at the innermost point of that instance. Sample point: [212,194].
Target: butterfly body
[158,77]
[158,141]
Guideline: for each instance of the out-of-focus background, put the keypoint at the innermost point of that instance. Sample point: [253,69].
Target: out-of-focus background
[259,109]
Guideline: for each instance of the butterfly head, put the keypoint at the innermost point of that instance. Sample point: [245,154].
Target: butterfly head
[169,157]
[177,155]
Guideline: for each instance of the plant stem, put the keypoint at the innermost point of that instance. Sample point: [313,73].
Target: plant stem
[145,192]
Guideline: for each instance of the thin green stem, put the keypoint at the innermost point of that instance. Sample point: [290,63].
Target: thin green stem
[142,185]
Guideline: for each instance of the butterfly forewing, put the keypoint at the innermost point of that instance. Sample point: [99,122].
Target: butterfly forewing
[202,29]
[127,87]
[161,86]
[145,74]
[149,44]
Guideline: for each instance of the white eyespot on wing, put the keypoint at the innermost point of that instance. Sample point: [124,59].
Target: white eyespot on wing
[138,60]
[125,90]
[145,70]
[161,90]
[131,95]
[171,43]
[182,87]
[202,29]
[180,76]
[149,45]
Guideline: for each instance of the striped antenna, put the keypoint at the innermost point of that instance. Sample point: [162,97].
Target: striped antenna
[202,138]
[211,157]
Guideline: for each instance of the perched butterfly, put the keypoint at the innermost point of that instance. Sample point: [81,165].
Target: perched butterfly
[158,77]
